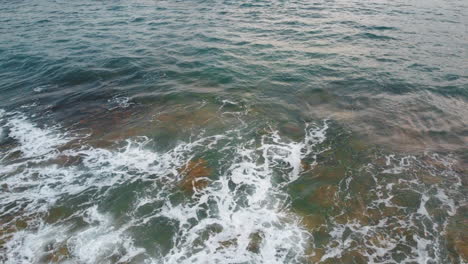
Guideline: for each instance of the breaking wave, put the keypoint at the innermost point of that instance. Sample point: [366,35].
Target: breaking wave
[214,199]
[240,216]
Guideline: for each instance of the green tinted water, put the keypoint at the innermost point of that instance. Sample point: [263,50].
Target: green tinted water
[222,132]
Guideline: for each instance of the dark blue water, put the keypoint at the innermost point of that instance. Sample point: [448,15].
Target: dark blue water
[233,132]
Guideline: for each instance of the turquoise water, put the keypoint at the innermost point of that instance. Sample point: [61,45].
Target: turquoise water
[229,132]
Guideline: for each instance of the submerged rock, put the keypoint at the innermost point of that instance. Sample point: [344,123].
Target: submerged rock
[228,243]
[461,246]
[255,242]
[313,221]
[457,237]
[316,255]
[325,196]
[353,256]
[9,226]
[58,254]
[55,214]
[21,224]
[195,175]
[189,118]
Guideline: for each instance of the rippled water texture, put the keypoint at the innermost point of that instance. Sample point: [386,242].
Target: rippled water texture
[233,132]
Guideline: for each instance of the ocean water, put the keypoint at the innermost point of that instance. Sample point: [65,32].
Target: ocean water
[233,132]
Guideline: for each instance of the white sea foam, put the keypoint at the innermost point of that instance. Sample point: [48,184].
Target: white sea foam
[242,216]
[122,102]
[382,238]
[34,141]
[248,206]
[227,102]
[39,89]
[101,241]
[246,200]
[31,247]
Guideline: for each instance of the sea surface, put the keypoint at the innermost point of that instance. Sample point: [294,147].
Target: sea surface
[154,131]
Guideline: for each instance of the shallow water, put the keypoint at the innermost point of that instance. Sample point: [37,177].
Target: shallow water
[223,132]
